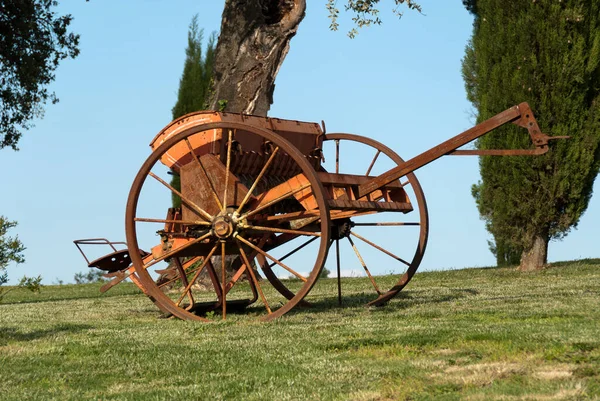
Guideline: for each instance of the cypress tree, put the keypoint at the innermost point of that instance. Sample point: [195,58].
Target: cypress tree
[195,83]
[545,52]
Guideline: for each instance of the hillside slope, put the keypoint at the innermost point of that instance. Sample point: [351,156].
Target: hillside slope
[466,334]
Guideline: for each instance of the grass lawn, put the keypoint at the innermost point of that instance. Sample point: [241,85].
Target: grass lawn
[476,334]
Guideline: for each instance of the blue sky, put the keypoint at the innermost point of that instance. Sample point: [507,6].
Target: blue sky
[399,83]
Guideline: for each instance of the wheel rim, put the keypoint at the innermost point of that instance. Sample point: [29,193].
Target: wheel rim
[354,241]
[248,227]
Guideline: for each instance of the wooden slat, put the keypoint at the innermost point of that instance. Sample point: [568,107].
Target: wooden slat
[347,204]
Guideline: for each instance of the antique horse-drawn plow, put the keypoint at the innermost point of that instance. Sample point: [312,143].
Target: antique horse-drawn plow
[257,194]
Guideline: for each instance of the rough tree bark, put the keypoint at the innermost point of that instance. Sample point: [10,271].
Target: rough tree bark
[537,256]
[253,42]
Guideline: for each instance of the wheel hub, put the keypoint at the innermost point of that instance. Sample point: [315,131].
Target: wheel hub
[223,226]
[341,228]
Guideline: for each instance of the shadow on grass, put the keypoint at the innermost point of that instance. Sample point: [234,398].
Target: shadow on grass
[14,334]
[404,300]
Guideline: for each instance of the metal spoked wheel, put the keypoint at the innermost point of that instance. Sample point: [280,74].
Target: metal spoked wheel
[387,246]
[232,209]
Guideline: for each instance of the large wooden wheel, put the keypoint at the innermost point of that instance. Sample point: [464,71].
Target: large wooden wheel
[249,204]
[387,246]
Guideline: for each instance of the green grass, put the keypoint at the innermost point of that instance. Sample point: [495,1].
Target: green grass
[475,334]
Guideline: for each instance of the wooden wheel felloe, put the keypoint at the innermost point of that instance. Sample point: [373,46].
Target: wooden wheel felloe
[230,209]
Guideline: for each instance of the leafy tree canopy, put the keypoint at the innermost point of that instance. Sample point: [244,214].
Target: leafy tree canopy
[33,41]
[547,53]
[365,12]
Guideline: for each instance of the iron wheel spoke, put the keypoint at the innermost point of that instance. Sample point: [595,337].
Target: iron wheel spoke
[373,162]
[252,275]
[293,252]
[399,259]
[364,265]
[266,255]
[223,277]
[398,223]
[281,230]
[191,204]
[339,275]
[184,280]
[185,267]
[193,280]
[167,221]
[227,169]
[257,180]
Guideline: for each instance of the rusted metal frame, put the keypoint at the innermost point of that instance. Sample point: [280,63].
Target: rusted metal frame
[511,115]
[499,152]
[351,204]
[251,272]
[364,265]
[265,254]
[176,251]
[197,159]
[123,274]
[191,204]
[262,206]
[343,214]
[341,179]
[292,216]
[95,241]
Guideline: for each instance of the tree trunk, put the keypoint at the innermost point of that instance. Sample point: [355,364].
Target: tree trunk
[253,42]
[537,256]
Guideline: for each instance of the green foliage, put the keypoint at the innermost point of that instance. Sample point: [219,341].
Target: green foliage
[196,79]
[33,284]
[365,12]
[11,251]
[324,272]
[92,276]
[548,54]
[195,84]
[222,104]
[33,41]
[472,334]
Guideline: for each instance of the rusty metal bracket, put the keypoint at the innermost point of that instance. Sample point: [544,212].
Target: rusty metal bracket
[520,115]
[95,241]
